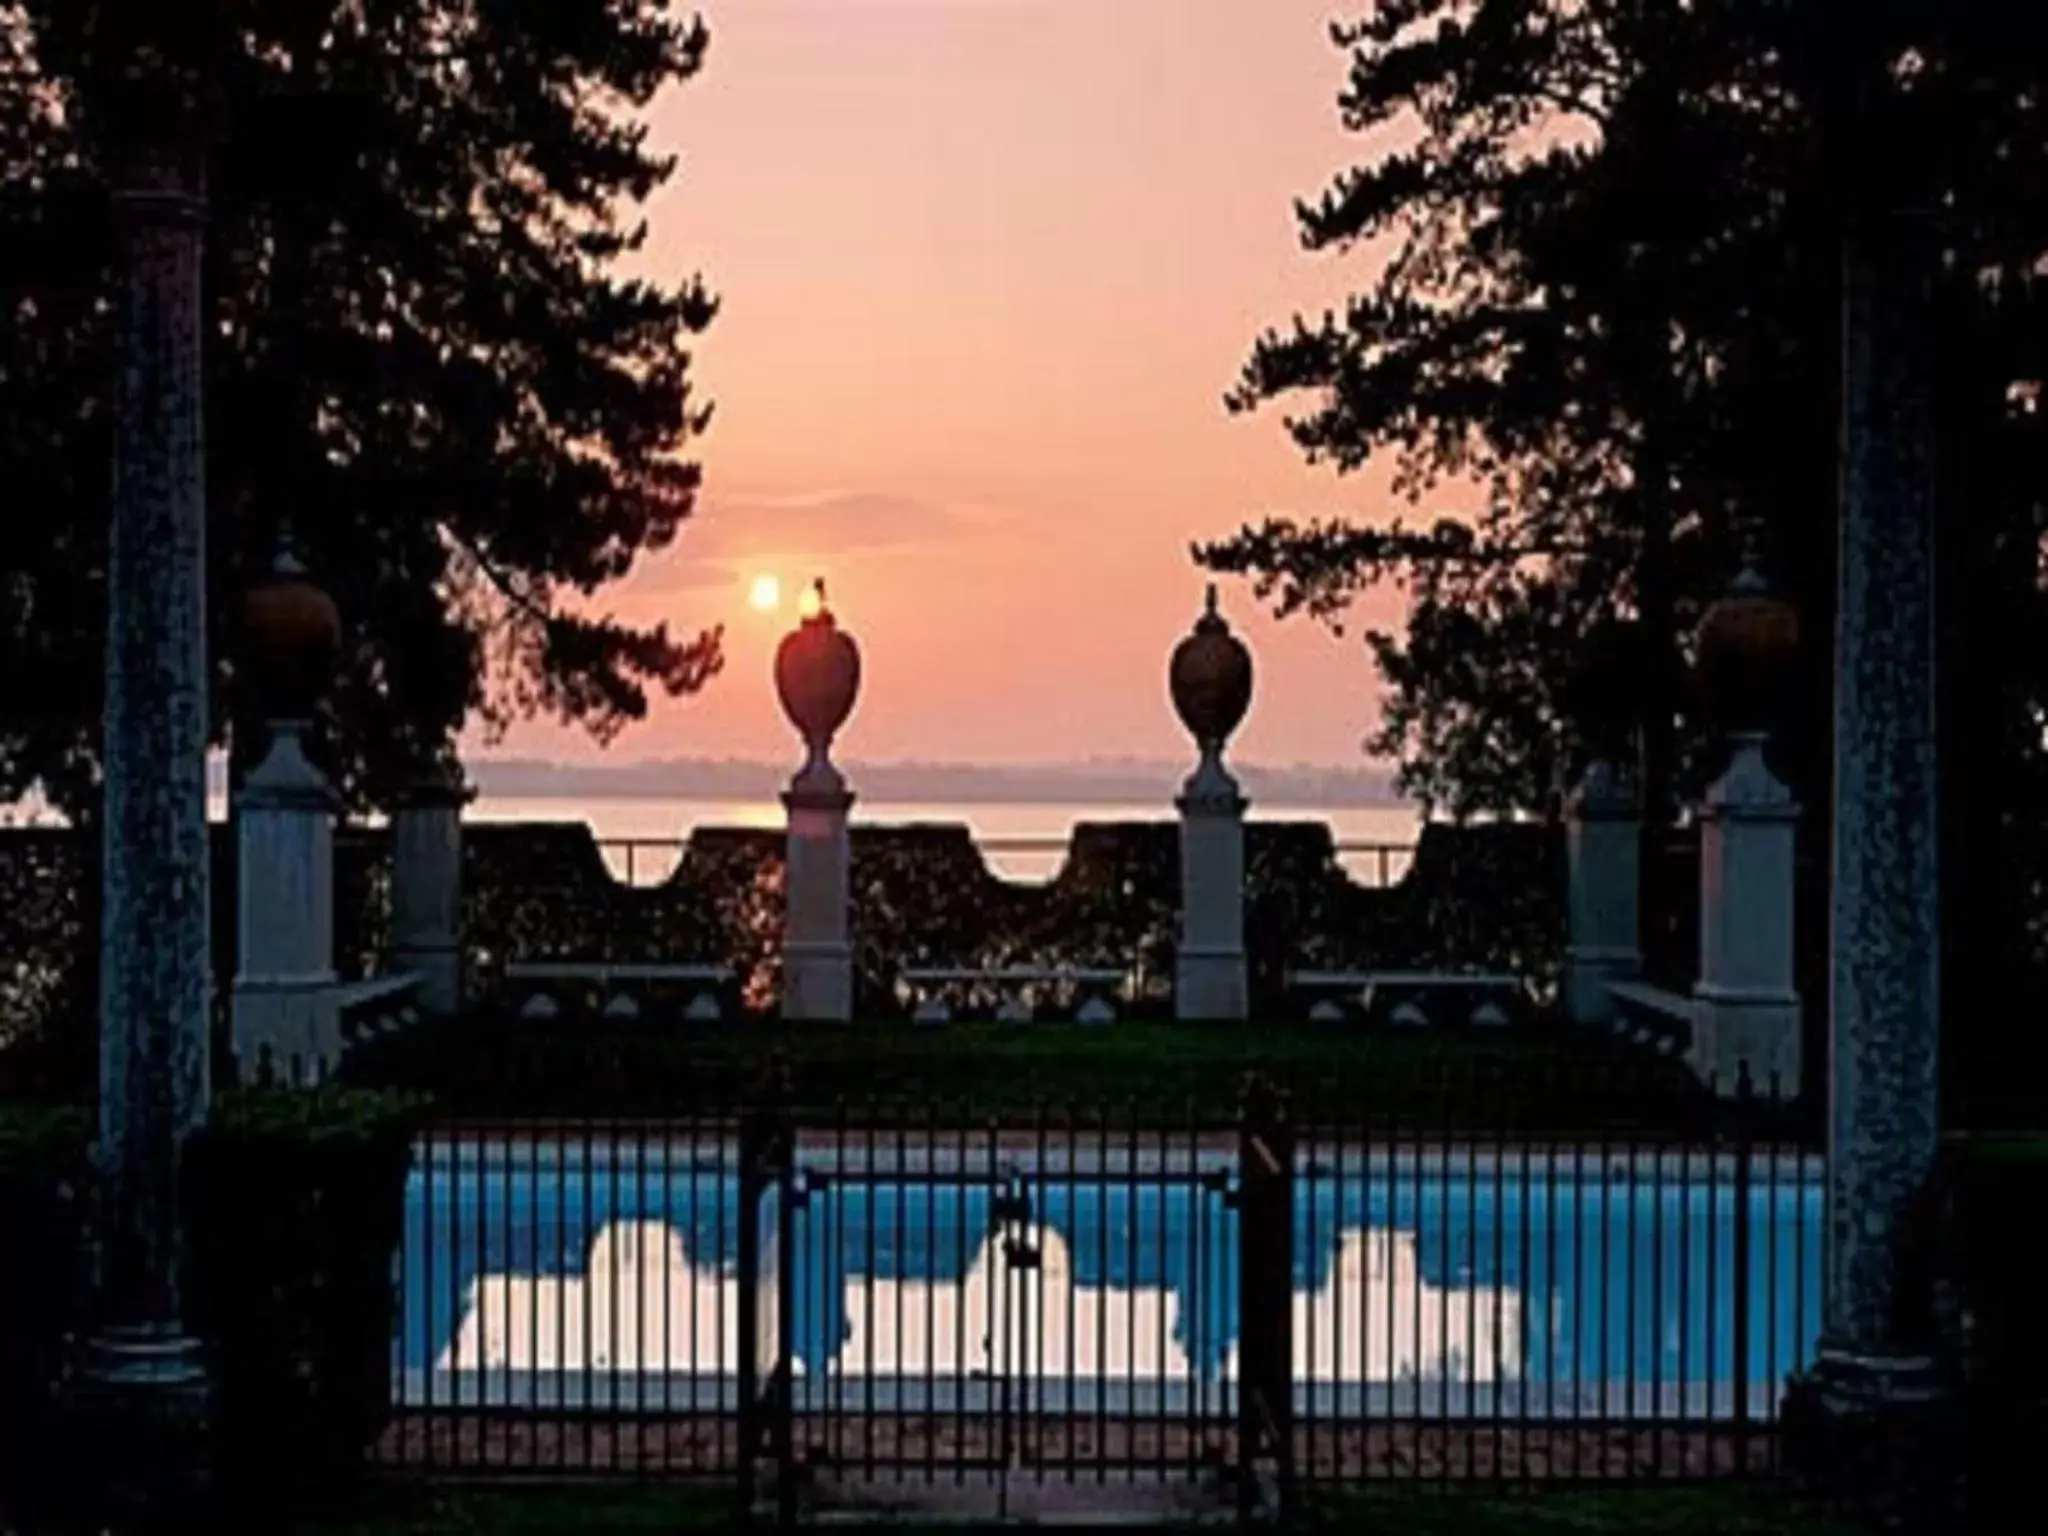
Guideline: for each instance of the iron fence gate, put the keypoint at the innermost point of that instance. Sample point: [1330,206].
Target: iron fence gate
[1310,1296]
[1051,1303]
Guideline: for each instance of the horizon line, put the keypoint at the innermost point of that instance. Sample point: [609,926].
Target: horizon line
[1062,765]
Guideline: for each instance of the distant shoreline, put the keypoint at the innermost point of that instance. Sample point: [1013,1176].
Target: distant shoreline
[1107,785]
[920,783]
[872,796]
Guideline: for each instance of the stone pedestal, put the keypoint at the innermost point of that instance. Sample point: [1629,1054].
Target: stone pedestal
[1747,1009]
[144,1402]
[1210,978]
[426,891]
[285,1024]
[817,955]
[1879,1433]
[1604,842]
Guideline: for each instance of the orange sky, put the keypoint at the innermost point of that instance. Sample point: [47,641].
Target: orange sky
[988,267]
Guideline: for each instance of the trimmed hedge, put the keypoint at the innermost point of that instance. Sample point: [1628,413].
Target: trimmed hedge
[44,1178]
[294,1203]
[2000,1188]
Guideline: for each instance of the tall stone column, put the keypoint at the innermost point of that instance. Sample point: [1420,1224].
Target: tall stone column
[817,675]
[1748,1011]
[1210,679]
[142,1366]
[1885,964]
[426,889]
[1604,849]
[285,1027]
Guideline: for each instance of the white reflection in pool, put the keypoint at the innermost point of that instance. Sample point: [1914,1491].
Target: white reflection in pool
[1375,1318]
[639,1305]
[1014,1320]
[642,1305]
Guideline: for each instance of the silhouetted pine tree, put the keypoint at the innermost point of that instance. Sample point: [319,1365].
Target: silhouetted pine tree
[424,357]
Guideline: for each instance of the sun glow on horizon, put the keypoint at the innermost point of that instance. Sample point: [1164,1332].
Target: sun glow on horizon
[765,595]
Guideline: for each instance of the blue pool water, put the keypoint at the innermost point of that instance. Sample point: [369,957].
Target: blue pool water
[1556,1278]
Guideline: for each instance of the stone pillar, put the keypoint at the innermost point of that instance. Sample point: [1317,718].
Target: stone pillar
[426,890]
[1209,678]
[1604,844]
[1875,1369]
[817,676]
[142,1369]
[817,954]
[285,1026]
[1210,978]
[1747,1006]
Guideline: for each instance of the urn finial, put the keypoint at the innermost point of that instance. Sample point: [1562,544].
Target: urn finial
[1748,641]
[291,631]
[817,674]
[1210,678]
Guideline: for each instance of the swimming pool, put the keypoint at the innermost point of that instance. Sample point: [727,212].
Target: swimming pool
[1463,1281]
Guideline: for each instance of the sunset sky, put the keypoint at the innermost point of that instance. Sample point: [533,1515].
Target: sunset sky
[987,269]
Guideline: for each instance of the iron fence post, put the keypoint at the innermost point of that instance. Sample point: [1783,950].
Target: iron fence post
[767,1164]
[782,1126]
[1265,1397]
[1744,1143]
[752,1166]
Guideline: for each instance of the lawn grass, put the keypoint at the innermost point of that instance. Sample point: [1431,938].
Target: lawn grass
[1533,1080]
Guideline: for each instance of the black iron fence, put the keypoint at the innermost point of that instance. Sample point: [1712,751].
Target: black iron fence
[1311,1295]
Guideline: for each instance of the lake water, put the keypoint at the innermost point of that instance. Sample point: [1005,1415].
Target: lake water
[1021,840]
[1534,1283]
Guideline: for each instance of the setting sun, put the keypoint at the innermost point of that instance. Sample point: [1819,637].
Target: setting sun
[766,594]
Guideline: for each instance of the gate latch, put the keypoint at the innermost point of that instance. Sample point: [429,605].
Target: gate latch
[1012,1202]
